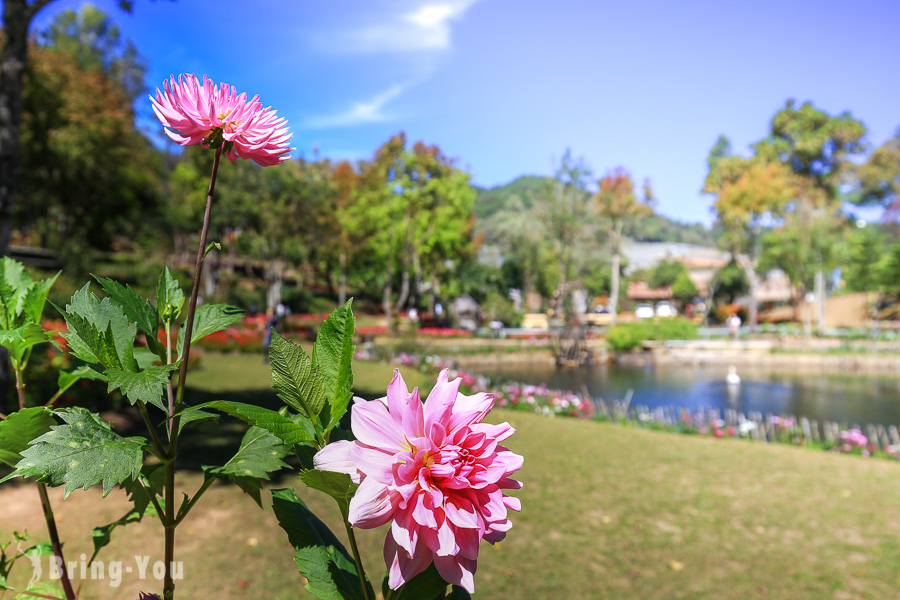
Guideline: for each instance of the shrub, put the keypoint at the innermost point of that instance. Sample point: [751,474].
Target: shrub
[629,336]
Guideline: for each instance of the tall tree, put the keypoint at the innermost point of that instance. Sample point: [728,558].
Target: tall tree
[564,211]
[819,150]
[420,205]
[17,18]
[87,174]
[748,193]
[618,206]
[877,180]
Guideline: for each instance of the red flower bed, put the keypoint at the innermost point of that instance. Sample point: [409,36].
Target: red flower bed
[444,332]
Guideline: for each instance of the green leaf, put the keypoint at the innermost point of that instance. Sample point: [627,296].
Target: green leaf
[17,431]
[14,285]
[298,382]
[36,298]
[328,568]
[333,355]
[427,584]
[146,358]
[99,332]
[69,378]
[81,453]
[137,309]
[19,340]
[337,485]
[260,454]
[192,416]
[147,386]
[281,426]
[208,319]
[169,297]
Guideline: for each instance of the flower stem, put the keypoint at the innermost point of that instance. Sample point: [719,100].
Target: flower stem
[184,511]
[20,386]
[157,443]
[54,541]
[45,504]
[359,566]
[174,411]
[169,362]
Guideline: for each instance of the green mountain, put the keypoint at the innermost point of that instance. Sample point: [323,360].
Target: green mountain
[656,228]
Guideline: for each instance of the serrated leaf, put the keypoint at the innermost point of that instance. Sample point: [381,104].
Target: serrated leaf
[251,486]
[427,584]
[337,485]
[260,454]
[146,358]
[15,282]
[169,297]
[136,309]
[36,298]
[99,331]
[19,428]
[19,340]
[298,382]
[192,416]
[330,571]
[208,319]
[81,453]
[147,386]
[69,378]
[284,428]
[333,355]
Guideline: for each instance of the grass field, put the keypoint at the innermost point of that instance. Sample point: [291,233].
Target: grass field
[608,512]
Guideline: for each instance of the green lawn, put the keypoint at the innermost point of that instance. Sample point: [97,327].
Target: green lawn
[608,512]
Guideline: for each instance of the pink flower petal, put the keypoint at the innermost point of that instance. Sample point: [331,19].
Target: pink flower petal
[372,425]
[457,570]
[402,567]
[371,505]
[336,457]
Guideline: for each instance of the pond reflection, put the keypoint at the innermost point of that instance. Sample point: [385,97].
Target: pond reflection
[839,398]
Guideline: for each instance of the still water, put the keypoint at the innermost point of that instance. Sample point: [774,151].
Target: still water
[843,399]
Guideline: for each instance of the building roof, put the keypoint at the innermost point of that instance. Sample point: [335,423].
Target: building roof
[639,290]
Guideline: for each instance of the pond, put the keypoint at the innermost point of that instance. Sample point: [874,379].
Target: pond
[843,399]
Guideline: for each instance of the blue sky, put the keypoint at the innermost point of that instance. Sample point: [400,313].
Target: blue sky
[505,86]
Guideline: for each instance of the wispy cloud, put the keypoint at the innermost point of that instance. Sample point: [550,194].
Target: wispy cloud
[419,27]
[360,113]
[418,33]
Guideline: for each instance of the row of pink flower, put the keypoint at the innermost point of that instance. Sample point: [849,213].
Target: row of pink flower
[850,441]
[546,401]
[518,396]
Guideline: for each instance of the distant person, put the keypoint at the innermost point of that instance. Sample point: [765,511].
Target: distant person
[734,325]
[272,322]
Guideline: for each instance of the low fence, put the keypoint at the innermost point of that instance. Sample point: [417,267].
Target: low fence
[755,426]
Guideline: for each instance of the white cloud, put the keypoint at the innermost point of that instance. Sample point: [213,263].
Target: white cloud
[360,113]
[423,27]
[419,30]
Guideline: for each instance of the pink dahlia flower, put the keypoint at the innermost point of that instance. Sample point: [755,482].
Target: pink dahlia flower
[435,471]
[195,113]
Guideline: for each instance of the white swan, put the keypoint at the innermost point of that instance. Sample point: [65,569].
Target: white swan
[732,378]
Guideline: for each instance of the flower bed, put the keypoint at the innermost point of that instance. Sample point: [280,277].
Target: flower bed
[444,332]
[541,399]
